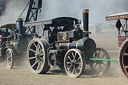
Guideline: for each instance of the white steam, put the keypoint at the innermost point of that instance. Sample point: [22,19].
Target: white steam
[99,9]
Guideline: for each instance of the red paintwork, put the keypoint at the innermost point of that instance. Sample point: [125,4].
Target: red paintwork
[0,37]
[121,39]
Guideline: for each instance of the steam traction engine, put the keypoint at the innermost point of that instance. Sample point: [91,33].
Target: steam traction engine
[14,38]
[122,29]
[61,43]
[65,44]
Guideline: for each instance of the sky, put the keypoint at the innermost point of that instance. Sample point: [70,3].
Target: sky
[98,9]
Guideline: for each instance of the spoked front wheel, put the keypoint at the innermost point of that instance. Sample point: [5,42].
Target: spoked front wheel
[100,67]
[74,63]
[9,58]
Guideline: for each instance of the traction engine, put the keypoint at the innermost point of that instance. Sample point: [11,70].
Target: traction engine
[61,43]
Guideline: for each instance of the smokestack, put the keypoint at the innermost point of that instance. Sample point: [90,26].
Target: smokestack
[40,4]
[20,26]
[85,21]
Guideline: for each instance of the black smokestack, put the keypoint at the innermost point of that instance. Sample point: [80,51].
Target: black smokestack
[86,21]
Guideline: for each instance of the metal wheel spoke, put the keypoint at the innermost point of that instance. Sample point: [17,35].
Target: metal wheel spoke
[104,64]
[95,54]
[96,64]
[41,61]
[69,58]
[37,48]
[32,50]
[98,54]
[41,53]
[38,66]
[78,63]
[40,49]
[73,70]
[9,59]
[79,67]
[78,59]
[34,64]
[125,54]
[73,55]
[42,58]
[69,67]
[100,67]
[103,56]
[8,54]
[34,44]
[126,67]
[69,63]
[32,57]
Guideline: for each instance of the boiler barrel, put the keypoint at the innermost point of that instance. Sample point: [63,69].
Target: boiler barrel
[86,45]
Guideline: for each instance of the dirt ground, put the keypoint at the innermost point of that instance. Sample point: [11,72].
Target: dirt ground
[21,75]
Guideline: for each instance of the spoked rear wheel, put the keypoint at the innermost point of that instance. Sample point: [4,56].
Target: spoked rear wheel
[123,57]
[100,67]
[74,63]
[9,58]
[37,56]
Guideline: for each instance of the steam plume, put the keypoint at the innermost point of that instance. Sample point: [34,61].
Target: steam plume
[70,8]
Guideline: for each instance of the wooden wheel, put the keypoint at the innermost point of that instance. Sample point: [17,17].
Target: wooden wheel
[123,57]
[9,58]
[37,56]
[74,63]
[100,67]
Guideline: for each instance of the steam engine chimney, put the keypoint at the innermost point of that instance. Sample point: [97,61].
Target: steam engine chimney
[20,26]
[85,21]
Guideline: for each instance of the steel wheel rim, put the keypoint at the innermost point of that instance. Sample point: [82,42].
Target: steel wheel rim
[100,67]
[36,56]
[123,61]
[9,59]
[73,63]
